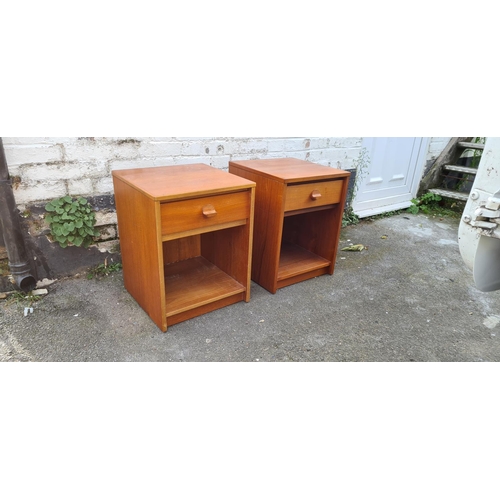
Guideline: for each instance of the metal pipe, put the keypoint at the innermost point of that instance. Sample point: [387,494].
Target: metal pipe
[10,225]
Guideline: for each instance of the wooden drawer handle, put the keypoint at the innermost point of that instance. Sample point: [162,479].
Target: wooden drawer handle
[315,195]
[209,211]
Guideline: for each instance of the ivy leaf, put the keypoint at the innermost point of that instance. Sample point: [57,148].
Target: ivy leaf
[78,224]
[82,201]
[78,241]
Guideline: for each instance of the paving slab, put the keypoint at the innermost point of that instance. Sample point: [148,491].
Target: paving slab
[407,297]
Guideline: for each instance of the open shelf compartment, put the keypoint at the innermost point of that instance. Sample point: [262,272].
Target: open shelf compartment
[196,282]
[205,271]
[295,260]
[306,246]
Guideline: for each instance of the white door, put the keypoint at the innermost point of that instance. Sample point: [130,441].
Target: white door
[393,174]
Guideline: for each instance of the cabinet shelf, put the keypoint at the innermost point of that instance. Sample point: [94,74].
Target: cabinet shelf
[196,282]
[295,260]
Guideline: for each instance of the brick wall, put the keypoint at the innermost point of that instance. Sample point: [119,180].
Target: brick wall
[44,168]
[436,145]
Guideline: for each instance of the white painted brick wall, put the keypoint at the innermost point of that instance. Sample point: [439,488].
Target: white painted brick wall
[34,153]
[49,167]
[436,145]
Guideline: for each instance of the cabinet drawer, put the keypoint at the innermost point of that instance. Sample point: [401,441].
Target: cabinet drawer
[312,194]
[187,215]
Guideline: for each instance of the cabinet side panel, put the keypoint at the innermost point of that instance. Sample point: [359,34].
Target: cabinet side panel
[337,223]
[267,230]
[141,249]
[250,243]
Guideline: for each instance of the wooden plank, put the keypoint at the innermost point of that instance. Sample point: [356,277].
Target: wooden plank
[302,277]
[196,282]
[212,306]
[181,249]
[295,260]
[181,181]
[268,227]
[208,229]
[288,170]
[141,249]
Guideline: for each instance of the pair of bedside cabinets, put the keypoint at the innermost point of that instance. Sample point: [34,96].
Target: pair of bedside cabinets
[193,236]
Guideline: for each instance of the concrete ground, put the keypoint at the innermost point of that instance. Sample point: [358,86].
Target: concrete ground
[407,297]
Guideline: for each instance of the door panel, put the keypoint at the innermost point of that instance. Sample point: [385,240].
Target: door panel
[393,174]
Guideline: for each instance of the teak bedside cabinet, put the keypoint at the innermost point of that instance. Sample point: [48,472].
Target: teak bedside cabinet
[185,238]
[298,217]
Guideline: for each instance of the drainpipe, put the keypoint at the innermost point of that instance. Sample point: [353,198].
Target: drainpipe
[12,234]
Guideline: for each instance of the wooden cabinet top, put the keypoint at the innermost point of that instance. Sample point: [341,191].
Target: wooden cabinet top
[181,181]
[289,170]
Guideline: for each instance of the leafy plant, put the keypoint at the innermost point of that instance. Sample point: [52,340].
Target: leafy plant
[476,154]
[427,203]
[24,298]
[71,221]
[361,164]
[104,269]
[349,218]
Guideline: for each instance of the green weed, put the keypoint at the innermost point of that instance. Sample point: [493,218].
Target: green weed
[103,270]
